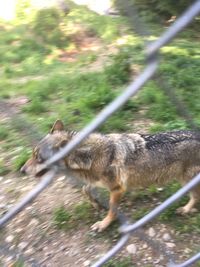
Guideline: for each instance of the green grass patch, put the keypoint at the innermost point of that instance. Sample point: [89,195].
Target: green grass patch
[65,219]
[36,106]
[118,73]
[159,106]
[21,158]
[4,132]
[18,263]
[83,212]
[139,213]
[62,218]
[122,262]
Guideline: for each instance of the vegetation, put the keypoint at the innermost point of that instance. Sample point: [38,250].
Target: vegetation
[67,219]
[124,262]
[156,10]
[18,263]
[62,218]
[21,158]
[3,133]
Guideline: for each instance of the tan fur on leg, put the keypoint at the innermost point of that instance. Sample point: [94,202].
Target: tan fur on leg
[189,207]
[115,197]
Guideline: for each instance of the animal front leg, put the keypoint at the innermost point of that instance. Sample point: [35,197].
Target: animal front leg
[115,197]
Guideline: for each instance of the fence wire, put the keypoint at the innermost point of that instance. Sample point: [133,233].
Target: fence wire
[126,229]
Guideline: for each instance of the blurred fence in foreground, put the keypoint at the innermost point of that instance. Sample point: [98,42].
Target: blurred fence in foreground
[126,229]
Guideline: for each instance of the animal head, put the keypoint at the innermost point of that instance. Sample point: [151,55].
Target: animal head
[46,148]
[80,158]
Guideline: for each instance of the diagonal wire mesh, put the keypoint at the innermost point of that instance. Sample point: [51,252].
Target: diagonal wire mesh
[152,50]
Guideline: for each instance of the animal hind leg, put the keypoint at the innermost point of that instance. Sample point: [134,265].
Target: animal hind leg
[190,206]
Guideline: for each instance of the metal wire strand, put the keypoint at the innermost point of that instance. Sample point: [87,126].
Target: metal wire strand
[106,112]
[168,202]
[125,229]
[123,240]
[187,263]
[148,72]
[176,27]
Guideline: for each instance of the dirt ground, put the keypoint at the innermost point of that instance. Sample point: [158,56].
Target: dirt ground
[32,234]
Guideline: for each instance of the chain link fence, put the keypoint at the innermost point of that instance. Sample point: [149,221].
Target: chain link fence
[126,229]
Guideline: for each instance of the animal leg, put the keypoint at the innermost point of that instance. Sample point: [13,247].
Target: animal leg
[87,192]
[115,197]
[189,207]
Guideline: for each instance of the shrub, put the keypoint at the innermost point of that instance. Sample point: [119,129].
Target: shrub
[118,73]
[62,218]
[46,26]
[162,9]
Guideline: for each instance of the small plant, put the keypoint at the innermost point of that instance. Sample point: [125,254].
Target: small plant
[36,106]
[119,71]
[46,26]
[62,218]
[83,212]
[124,262]
[141,212]
[4,132]
[18,263]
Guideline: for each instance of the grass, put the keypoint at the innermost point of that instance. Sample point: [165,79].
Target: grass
[18,263]
[62,218]
[82,212]
[123,262]
[181,223]
[4,133]
[21,158]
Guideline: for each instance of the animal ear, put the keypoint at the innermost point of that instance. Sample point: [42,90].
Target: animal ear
[58,126]
[80,159]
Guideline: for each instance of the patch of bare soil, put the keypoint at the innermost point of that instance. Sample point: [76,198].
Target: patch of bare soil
[33,234]
[25,79]
[85,42]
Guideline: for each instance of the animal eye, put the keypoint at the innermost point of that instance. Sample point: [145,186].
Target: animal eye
[37,155]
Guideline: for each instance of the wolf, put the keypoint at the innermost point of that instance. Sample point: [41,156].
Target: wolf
[121,162]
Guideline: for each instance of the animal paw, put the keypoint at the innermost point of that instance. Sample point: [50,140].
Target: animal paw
[185,210]
[99,226]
